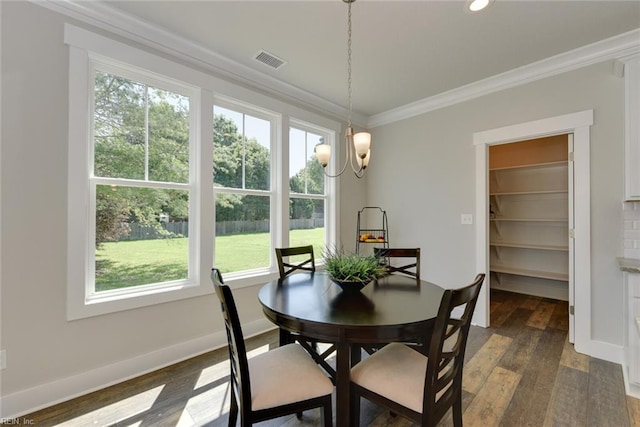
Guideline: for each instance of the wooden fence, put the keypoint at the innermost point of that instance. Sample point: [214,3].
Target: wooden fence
[145,232]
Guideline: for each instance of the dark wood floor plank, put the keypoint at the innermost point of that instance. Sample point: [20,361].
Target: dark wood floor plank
[531,302]
[607,403]
[572,359]
[478,369]
[633,406]
[488,407]
[525,340]
[531,398]
[447,421]
[541,316]
[504,310]
[568,406]
[560,316]
[523,348]
[477,338]
[515,323]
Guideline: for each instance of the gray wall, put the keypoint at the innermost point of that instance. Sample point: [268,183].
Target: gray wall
[435,184]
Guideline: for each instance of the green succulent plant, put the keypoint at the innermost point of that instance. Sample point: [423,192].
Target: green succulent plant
[348,267]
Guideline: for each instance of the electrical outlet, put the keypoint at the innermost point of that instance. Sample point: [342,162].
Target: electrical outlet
[3,359]
[466,219]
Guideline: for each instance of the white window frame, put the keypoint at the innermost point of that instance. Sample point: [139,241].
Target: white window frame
[274,219]
[84,47]
[104,65]
[86,51]
[329,185]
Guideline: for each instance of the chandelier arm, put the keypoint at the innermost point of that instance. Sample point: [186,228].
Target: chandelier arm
[347,160]
[359,169]
[344,167]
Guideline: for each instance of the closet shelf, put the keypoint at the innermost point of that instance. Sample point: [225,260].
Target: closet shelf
[532,166]
[522,193]
[530,273]
[506,219]
[530,246]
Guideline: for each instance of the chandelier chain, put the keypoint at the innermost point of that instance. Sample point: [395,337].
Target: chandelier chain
[349,65]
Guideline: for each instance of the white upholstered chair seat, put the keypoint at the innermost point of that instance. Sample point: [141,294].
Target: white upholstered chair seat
[422,389]
[285,375]
[396,372]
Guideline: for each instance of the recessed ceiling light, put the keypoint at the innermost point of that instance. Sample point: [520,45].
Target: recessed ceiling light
[477,5]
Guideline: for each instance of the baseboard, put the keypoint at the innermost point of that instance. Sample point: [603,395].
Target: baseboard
[42,396]
[605,351]
[543,288]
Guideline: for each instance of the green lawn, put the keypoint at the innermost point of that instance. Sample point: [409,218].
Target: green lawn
[141,262]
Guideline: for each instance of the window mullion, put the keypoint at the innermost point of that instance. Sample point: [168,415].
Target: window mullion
[146,132]
[244,153]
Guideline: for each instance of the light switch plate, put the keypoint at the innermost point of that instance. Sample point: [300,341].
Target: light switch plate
[3,359]
[466,219]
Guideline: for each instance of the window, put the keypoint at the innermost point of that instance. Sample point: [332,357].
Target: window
[306,190]
[243,190]
[168,177]
[141,145]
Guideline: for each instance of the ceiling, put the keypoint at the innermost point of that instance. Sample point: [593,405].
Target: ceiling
[403,51]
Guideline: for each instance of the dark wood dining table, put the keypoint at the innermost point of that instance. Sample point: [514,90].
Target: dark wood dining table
[393,308]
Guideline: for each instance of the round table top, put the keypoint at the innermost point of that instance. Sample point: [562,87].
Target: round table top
[311,302]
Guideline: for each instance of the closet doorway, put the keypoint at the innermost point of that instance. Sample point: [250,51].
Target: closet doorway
[572,263]
[530,201]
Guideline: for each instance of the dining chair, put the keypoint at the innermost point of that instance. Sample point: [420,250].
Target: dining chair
[286,267]
[418,386]
[279,382]
[412,269]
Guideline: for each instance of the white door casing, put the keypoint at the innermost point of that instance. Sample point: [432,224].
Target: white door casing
[571,241]
[577,124]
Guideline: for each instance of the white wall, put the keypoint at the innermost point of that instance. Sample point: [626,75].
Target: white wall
[435,184]
[49,358]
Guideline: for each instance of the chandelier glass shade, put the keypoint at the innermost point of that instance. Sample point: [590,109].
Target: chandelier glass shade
[358,146]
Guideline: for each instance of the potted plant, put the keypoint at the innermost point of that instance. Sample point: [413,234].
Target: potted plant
[352,271]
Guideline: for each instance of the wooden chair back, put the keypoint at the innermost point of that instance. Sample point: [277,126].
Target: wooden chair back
[373,378]
[293,395]
[443,382]
[412,269]
[239,375]
[286,267]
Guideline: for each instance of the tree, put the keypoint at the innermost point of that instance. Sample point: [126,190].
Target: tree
[142,133]
[122,135]
[309,180]
[239,164]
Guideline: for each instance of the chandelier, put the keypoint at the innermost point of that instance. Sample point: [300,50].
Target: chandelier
[358,150]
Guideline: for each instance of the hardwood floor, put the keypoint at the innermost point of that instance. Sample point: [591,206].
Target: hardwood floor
[520,372]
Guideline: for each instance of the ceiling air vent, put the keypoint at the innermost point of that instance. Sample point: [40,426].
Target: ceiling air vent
[269,59]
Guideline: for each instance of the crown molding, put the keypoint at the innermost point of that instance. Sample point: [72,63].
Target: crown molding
[613,48]
[100,15]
